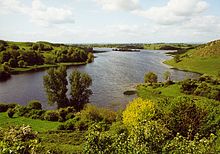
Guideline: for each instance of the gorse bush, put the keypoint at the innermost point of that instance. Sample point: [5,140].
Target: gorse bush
[138,111]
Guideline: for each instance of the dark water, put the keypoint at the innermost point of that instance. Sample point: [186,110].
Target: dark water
[112,73]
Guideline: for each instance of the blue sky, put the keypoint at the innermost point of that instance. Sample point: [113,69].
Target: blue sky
[110,21]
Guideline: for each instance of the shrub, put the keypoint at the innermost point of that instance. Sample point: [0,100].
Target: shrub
[188,86]
[3,107]
[181,144]
[19,140]
[35,104]
[150,77]
[70,116]
[185,117]
[138,111]
[51,116]
[22,111]
[11,112]
[37,114]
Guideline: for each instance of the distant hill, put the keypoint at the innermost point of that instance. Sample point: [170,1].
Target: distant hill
[211,49]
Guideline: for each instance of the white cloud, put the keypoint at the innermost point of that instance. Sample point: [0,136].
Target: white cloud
[118,4]
[7,6]
[174,11]
[50,15]
[39,13]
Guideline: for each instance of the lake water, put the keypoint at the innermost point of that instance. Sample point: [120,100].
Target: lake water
[112,73]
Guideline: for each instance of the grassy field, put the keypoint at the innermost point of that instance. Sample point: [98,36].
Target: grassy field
[209,65]
[148,92]
[204,59]
[65,141]
[37,125]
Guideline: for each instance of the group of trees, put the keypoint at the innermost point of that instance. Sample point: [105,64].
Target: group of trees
[55,83]
[21,58]
[71,54]
[151,77]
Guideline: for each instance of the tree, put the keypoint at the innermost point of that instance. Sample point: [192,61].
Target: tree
[150,77]
[177,59]
[80,91]
[167,76]
[55,84]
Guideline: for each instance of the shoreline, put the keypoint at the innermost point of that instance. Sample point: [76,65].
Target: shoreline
[43,67]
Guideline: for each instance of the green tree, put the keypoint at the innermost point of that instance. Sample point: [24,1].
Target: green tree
[80,92]
[177,59]
[167,76]
[55,83]
[150,77]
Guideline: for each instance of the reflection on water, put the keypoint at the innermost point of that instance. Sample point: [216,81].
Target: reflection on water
[112,73]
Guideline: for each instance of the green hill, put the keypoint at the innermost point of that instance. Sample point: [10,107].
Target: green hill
[210,49]
[204,59]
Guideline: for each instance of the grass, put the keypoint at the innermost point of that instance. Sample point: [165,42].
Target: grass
[44,66]
[157,94]
[204,59]
[209,65]
[37,125]
[65,141]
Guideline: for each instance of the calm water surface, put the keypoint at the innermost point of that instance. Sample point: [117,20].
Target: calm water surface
[112,73]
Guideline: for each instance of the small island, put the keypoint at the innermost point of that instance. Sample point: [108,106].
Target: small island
[126,50]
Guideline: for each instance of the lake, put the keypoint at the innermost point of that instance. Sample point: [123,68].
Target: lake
[112,73]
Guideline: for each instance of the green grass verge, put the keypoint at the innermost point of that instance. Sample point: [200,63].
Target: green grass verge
[45,66]
[209,66]
[37,125]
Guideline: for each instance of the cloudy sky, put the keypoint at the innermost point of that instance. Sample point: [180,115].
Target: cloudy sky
[110,21]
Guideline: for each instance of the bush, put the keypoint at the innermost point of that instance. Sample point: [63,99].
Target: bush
[92,113]
[35,104]
[19,140]
[138,111]
[37,114]
[70,116]
[11,112]
[22,111]
[150,77]
[3,107]
[51,116]
[185,117]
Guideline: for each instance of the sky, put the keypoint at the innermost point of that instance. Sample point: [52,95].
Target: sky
[110,21]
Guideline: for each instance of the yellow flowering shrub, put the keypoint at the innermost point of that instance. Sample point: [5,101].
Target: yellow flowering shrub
[137,111]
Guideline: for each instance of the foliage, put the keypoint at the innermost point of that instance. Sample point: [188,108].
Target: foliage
[19,140]
[80,92]
[35,104]
[177,58]
[167,76]
[71,55]
[138,111]
[51,116]
[180,144]
[55,83]
[185,117]
[150,77]
[5,107]
[90,57]
[11,112]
